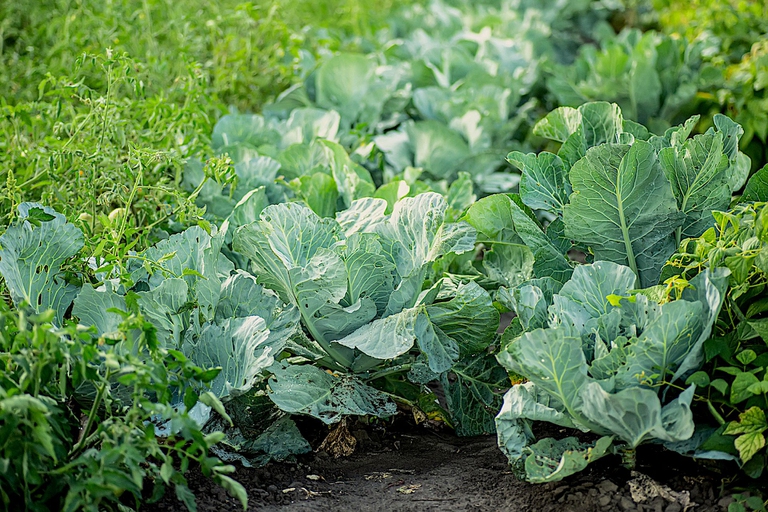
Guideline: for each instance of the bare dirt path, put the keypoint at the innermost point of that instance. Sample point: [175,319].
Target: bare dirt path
[436,471]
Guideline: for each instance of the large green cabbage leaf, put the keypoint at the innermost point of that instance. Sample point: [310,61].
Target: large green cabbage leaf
[623,194]
[623,208]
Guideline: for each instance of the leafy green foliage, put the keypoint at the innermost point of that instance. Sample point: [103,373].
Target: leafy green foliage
[602,365]
[652,77]
[633,195]
[518,247]
[80,421]
[366,290]
[357,283]
[734,382]
[32,253]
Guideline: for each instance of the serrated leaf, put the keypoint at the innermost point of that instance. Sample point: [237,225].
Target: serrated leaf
[184,495]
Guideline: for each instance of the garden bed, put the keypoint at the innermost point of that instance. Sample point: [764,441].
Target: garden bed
[422,469]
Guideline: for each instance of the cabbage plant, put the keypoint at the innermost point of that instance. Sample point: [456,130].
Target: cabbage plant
[624,194]
[600,357]
[357,282]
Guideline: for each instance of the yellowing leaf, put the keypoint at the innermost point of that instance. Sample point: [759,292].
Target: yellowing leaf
[749,444]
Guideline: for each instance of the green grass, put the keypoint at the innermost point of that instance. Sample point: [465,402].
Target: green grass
[247,51]
[103,100]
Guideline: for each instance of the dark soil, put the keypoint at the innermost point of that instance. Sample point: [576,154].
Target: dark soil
[424,470]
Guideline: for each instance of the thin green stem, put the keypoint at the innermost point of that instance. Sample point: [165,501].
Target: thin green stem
[389,371]
[91,415]
[106,105]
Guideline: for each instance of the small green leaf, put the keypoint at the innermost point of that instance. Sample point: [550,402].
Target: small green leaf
[210,400]
[208,375]
[701,379]
[192,272]
[166,471]
[740,387]
[759,388]
[736,507]
[751,420]
[719,384]
[756,502]
[746,356]
[37,216]
[235,488]
[754,469]
[184,495]
[190,398]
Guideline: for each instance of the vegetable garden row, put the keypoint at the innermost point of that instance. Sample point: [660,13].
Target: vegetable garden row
[358,240]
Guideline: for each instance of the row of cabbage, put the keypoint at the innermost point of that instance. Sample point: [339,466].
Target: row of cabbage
[383,302]
[454,88]
[349,267]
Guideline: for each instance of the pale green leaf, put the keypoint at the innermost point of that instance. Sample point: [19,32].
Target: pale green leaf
[544,183]
[696,170]
[31,258]
[469,317]
[91,307]
[385,338]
